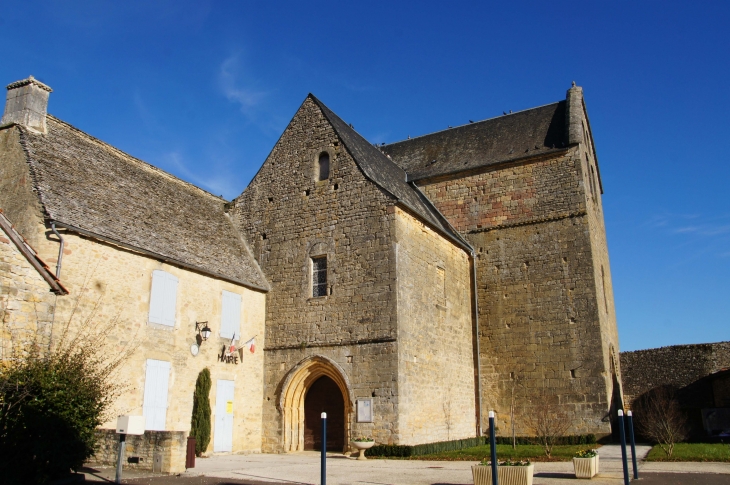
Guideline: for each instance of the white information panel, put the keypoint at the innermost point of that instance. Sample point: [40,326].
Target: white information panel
[364,410]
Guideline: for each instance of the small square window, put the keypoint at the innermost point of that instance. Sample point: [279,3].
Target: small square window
[319,276]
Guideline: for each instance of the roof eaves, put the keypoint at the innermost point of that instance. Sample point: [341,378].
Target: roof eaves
[161,257]
[417,177]
[452,233]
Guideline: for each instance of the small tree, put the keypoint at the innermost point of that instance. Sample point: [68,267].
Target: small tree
[53,399]
[548,422]
[200,421]
[660,419]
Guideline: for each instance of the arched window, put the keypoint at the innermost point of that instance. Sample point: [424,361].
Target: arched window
[323,165]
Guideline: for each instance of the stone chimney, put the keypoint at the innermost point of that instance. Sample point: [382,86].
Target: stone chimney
[26,104]
[574,115]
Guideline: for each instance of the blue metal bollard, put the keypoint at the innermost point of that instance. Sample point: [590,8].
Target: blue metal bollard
[493,447]
[622,432]
[633,444]
[323,472]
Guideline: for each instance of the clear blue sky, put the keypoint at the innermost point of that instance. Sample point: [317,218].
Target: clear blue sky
[204,89]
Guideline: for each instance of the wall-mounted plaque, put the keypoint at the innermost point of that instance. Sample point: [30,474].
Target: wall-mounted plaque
[364,410]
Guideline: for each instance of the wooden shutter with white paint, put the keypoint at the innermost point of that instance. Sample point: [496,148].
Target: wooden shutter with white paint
[156,382]
[163,298]
[231,315]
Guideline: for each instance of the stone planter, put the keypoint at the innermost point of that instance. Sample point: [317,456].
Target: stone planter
[506,475]
[585,467]
[362,446]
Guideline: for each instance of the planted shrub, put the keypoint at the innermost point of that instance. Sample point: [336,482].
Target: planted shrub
[200,421]
[51,402]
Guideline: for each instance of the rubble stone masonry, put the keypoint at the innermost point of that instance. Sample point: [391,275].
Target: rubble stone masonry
[26,302]
[543,320]
[371,324]
[288,217]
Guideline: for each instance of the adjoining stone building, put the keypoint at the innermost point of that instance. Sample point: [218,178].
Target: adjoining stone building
[160,256]
[406,289]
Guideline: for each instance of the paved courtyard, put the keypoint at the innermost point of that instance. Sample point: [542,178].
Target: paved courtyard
[303,468]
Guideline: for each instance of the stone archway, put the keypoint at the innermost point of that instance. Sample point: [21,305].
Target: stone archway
[291,403]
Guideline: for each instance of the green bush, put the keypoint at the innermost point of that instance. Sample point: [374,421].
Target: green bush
[401,451]
[49,410]
[404,451]
[583,439]
[52,399]
[200,421]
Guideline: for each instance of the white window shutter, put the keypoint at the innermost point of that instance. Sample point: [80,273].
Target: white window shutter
[231,315]
[170,300]
[156,383]
[157,296]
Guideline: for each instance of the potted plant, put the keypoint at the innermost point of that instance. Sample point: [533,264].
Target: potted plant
[508,472]
[362,444]
[585,463]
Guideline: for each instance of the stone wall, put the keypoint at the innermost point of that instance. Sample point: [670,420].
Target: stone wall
[121,282]
[110,286]
[17,198]
[140,451]
[677,366]
[435,336]
[288,217]
[26,303]
[540,322]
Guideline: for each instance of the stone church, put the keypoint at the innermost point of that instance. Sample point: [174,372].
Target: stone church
[406,289]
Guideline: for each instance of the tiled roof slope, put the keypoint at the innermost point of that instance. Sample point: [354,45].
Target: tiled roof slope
[514,136]
[89,185]
[386,174]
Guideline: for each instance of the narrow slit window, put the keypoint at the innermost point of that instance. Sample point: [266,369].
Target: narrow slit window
[319,276]
[324,166]
[593,184]
[440,286]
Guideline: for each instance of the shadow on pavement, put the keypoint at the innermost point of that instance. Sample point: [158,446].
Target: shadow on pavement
[555,475]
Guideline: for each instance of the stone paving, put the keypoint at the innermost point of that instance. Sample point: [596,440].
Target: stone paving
[303,468]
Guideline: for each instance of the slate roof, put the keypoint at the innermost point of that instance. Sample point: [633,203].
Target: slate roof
[89,186]
[387,175]
[514,136]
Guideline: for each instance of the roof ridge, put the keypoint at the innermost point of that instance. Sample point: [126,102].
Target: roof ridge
[132,158]
[348,126]
[406,194]
[472,124]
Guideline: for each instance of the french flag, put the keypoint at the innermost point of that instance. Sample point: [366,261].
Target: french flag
[251,344]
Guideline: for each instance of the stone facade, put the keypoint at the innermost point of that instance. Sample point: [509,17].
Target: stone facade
[435,338]
[27,304]
[466,270]
[111,247]
[546,313]
[367,323]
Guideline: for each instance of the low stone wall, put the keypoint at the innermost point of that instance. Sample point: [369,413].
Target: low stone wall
[677,366]
[168,446]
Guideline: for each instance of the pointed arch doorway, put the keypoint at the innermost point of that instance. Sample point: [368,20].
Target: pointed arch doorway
[315,385]
[324,396]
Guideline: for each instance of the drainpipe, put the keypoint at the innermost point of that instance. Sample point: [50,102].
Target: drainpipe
[60,250]
[477,352]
